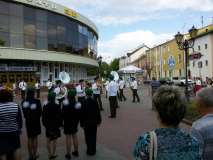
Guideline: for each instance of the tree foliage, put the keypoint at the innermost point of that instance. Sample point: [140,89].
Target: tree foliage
[95,71]
[2,42]
[115,64]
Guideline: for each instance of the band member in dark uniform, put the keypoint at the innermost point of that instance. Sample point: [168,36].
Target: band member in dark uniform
[70,116]
[32,113]
[58,90]
[121,85]
[81,91]
[89,121]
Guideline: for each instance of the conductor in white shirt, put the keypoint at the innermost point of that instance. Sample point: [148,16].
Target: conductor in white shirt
[81,91]
[37,86]
[121,85]
[49,85]
[105,84]
[112,96]
[96,93]
[134,87]
[23,87]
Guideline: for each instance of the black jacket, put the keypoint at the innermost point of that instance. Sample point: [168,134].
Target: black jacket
[90,113]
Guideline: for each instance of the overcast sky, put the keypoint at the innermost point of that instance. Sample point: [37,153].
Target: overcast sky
[125,24]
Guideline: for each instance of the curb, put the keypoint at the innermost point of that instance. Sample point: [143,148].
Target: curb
[187,122]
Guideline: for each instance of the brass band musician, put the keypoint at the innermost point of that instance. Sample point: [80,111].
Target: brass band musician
[96,92]
[59,90]
[81,91]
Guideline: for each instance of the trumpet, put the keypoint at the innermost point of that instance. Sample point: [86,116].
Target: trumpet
[99,83]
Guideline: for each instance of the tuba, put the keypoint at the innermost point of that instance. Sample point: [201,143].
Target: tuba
[65,78]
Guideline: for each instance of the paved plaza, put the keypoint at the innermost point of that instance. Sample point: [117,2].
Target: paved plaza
[116,137]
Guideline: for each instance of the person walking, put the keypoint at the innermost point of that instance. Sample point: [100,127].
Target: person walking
[32,112]
[134,87]
[90,120]
[81,91]
[14,88]
[51,119]
[38,85]
[112,96]
[209,83]
[10,126]
[70,118]
[23,87]
[198,85]
[121,86]
[96,93]
[154,85]
[202,129]
[106,84]
[172,142]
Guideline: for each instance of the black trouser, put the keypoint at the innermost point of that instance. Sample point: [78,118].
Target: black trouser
[98,97]
[122,94]
[90,138]
[22,94]
[81,99]
[60,101]
[118,95]
[38,93]
[49,90]
[113,105]
[106,94]
[135,94]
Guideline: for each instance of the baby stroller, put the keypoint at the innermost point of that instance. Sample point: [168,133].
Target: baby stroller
[192,90]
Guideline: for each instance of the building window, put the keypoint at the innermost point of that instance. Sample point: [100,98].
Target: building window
[206,62]
[164,61]
[205,46]
[198,48]
[45,73]
[193,64]
[168,48]
[165,74]
[179,58]
[164,50]
[179,72]
[193,49]
[206,30]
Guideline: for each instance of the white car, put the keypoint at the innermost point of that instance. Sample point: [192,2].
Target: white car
[181,80]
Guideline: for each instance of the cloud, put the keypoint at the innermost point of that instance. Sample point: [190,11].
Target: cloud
[127,11]
[128,41]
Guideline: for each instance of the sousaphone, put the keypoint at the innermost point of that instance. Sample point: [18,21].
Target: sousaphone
[65,78]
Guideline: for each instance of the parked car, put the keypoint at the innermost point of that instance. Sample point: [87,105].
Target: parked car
[165,81]
[181,80]
[149,80]
[144,81]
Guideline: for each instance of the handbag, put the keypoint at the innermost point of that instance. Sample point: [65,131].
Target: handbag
[153,146]
[55,135]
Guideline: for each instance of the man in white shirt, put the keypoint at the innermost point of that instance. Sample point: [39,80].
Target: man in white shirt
[112,96]
[23,87]
[81,91]
[105,84]
[58,90]
[1,84]
[49,85]
[96,93]
[37,86]
[134,87]
[121,85]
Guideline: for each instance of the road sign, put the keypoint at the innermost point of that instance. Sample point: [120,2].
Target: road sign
[171,57]
[171,63]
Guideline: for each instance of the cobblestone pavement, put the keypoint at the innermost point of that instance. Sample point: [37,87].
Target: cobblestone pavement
[116,137]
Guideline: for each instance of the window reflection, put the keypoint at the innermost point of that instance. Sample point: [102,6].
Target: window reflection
[81,41]
[69,35]
[29,12]
[41,29]
[68,23]
[16,10]
[51,31]
[4,7]
[29,27]
[62,46]
[75,49]
[85,41]
[52,45]
[74,26]
[29,42]
[61,33]
[61,21]
[91,44]
[69,47]
[41,43]
[41,15]
[81,50]
[5,36]
[85,31]
[4,23]
[51,18]
[16,25]
[16,41]
[80,28]
[75,38]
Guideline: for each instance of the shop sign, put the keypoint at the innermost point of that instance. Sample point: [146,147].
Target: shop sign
[140,71]
[22,69]
[3,68]
[38,2]
[130,71]
[67,11]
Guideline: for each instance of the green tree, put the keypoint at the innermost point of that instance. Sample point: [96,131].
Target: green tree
[2,42]
[114,65]
[95,71]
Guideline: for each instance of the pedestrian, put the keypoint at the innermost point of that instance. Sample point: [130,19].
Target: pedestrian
[32,112]
[121,86]
[106,84]
[70,117]
[172,142]
[89,121]
[23,87]
[59,90]
[202,129]
[10,126]
[81,91]
[96,93]
[112,96]
[14,88]
[49,85]
[37,85]
[154,85]
[209,83]
[198,85]
[51,119]
[19,90]
[134,87]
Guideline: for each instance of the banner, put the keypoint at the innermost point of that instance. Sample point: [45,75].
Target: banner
[18,69]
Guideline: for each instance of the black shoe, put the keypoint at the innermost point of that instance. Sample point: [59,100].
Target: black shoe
[35,157]
[105,97]
[133,101]
[53,157]
[124,99]
[111,117]
[90,154]
[138,101]
[101,109]
[67,156]
[75,153]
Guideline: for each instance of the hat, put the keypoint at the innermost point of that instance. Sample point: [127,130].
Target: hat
[133,78]
[31,89]
[111,76]
[96,79]
[120,77]
[89,92]
[51,95]
[59,81]
[81,80]
[72,93]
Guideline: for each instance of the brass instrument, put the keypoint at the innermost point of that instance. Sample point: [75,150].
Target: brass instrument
[99,83]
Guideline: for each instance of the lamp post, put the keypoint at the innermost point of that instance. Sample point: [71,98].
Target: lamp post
[185,45]
[99,62]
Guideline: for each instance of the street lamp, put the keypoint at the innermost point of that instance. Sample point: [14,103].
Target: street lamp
[185,45]
[99,62]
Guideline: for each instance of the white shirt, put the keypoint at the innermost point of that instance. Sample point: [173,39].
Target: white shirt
[36,86]
[49,83]
[80,91]
[121,84]
[14,86]
[134,85]
[94,88]
[105,84]
[198,82]
[112,89]
[0,88]
[22,84]
[57,90]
